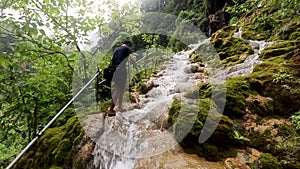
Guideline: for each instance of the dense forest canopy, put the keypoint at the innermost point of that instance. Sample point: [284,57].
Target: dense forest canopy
[44,44]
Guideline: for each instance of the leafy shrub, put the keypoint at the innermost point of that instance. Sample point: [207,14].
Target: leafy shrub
[296,120]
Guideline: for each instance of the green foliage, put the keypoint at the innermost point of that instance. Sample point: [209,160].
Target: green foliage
[280,78]
[37,59]
[240,137]
[296,120]
[196,17]
[240,7]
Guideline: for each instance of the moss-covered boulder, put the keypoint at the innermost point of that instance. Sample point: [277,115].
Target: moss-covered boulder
[180,117]
[267,161]
[237,90]
[54,149]
[234,96]
[262,106]
[231,50]
[278,76]
[250,33]
[279,48]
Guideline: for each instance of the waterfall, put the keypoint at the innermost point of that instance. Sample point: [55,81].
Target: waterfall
[136,134]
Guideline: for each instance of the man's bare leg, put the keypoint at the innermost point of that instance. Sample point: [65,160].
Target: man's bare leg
[115,97]
[120,99]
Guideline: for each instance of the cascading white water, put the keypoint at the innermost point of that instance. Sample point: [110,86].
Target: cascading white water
[135,134]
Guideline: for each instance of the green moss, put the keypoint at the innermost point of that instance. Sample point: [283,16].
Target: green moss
[62,152]
[142,87]
[104,105]
[237,92]
[54,147]
[205,90]
[251,33]
[55,167]
[279,48]
[174,111]
[289,30]
[278,76]
[232,50]
[267,161]
[194,58]
[180,117]
[295,35]
[212,152]
[260,105]
[225,32]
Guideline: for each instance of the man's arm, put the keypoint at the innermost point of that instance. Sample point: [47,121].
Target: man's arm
[133,61]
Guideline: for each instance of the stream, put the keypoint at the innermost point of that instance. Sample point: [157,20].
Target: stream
[138,138]
[135,134]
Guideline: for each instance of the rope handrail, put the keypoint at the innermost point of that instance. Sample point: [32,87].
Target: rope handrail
[52,121]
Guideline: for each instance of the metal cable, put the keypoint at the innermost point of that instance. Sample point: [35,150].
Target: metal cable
[51,122]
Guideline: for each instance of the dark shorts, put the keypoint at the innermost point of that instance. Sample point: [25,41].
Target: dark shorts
[119,77]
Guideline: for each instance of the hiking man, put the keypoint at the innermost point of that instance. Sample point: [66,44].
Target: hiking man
[119,60]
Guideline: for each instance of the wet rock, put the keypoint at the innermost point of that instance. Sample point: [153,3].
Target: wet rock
[159,74]
[83,154]
[260,105]
[243,158]
[175,158]
[200,76]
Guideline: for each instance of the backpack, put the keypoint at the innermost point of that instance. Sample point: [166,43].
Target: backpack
[108,73]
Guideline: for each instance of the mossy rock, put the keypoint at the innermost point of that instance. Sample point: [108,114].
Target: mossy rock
[231,50]
[237,92]
[62,152]
[55,167]
[278,76]
[262,106]
[262,24]
[287,150]
[267,161]
[279,48]
[54,147]
[283,88]
[289,30]
[210,151]
[250,33]
[280,140]
[194,58]
[142,87]
[180,118]
[295,35]
[234,95]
